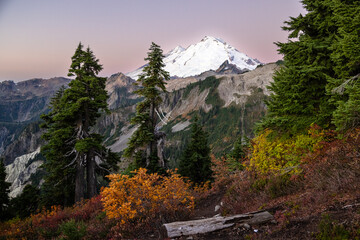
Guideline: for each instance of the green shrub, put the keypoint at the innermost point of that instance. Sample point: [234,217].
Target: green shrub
[72,230]
[331,229]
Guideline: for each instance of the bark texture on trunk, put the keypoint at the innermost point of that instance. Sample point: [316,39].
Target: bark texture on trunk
[152,146]
[91,176]
[79,181]
[178,229]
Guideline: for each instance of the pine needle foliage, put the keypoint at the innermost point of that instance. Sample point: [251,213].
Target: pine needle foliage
[142,145]
[73,152]
[321,54]
[195,162]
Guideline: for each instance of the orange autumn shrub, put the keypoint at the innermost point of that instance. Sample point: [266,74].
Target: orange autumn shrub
[146,196]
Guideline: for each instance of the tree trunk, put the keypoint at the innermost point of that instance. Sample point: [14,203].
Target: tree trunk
[160,136]
[152,146]
[178,229]
[91,176]
[79,180]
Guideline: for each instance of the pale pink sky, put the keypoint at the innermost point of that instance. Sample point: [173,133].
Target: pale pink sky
[38,37]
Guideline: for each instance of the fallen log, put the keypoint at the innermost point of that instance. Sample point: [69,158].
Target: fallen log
[178,229]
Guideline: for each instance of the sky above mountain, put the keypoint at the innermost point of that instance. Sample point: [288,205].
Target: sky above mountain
[38,37]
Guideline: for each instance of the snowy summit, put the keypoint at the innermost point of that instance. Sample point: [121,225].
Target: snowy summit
[208,54]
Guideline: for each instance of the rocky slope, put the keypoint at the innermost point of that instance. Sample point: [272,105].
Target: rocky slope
[120,89]
[228,104]
[22,103]
[26,142]
[20,171]
[25,101]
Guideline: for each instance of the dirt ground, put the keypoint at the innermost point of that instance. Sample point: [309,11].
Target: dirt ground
[346,214]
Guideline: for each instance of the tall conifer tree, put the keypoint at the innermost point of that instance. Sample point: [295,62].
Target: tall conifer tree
[74,111]
[59,185]
[322,55]
[345,86]
[143,143]
[299,89]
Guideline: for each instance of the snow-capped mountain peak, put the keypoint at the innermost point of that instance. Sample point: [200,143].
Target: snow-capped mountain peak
[208,54]
[175,51]
[209,38]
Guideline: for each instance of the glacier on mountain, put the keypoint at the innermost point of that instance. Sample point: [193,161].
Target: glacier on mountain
[206,55]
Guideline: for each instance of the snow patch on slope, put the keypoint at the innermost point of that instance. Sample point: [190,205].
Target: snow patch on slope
[180,126]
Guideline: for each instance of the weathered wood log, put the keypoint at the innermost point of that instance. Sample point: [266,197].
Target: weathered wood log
[178,229]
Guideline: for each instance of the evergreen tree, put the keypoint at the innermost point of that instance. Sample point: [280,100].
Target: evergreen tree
[72,147]
[195,162]
[237,152]
[345,86]
[142,145]
[299,89]
[59,185]
[347,114]
[4,191]
[322,56]
[235,156]
[27,202]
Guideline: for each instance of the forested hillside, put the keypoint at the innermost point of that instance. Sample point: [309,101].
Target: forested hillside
[302,165]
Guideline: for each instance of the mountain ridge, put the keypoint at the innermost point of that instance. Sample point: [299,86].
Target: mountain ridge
[208,54]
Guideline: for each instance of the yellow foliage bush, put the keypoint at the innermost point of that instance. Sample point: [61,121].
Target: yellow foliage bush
[282,155]
[144,196]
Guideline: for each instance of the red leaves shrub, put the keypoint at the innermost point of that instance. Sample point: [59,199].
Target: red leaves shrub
[328,172]
[333,171]
[45,224]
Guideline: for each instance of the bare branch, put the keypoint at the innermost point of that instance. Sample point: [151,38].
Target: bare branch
[341,89]
[98,165]
[72,162]
[69,153]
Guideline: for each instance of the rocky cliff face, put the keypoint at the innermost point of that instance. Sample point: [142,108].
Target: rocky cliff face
[232,89]
[25,101]
[26,142]
[120,89]
[229,105]
[10,91]
[20,105]
[236,88]
[228,68]
[20,171]
[4,133]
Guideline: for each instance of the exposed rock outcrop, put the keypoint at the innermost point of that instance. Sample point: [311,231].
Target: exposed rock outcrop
[120,89]
[235,88]
[25,90]
[21,104]
[28,141]
[228,68]
[19,172]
